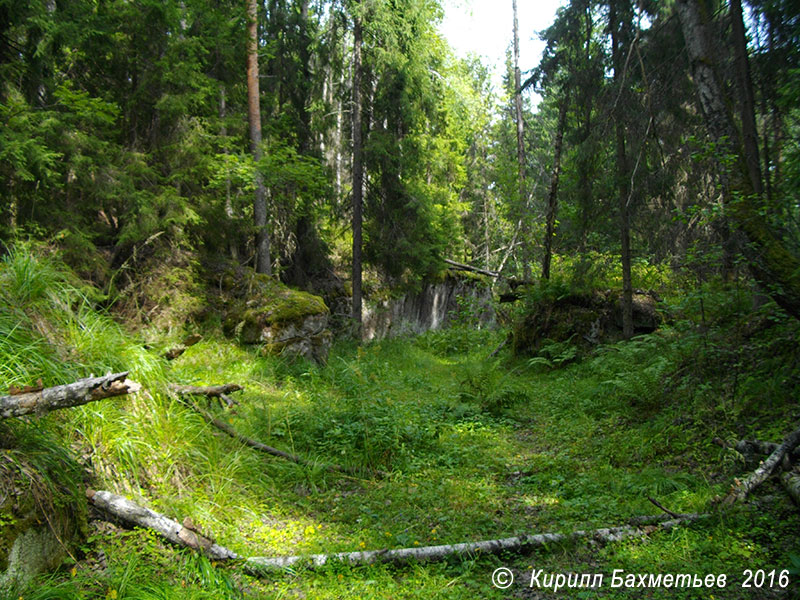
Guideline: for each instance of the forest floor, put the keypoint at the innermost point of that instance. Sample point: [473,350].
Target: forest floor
[476,448]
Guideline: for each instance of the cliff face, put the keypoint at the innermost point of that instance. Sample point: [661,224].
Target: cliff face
[437,305]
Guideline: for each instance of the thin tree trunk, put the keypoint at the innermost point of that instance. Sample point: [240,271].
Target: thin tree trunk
[233,249]
[358,170]
[523,196]
[263,262]
[552,197]
[622,172]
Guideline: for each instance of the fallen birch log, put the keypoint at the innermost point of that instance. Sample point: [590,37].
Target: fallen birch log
[131,513]
[79,392]
[741,489]
[791,482]
[430,553]
[753,450]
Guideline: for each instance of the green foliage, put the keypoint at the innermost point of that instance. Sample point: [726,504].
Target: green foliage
[487,385]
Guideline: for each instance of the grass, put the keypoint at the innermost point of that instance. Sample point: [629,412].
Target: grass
[476,448]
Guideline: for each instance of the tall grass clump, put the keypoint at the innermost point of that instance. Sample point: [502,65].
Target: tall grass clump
[51,330]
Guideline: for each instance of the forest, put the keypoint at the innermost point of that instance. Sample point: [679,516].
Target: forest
[297,302]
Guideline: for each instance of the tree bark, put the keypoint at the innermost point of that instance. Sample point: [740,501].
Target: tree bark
[791,482]
[552,197]
[133,514]
[358,170]
[523,196]
[263,262]
[747,100]
[430,553]
[623,171]
[211,391]
[65,396]
[772,263]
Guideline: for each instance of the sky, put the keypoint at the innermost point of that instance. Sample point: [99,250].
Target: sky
[485,27]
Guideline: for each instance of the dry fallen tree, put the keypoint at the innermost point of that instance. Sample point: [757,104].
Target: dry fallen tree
[741,489]
[187,535]
[80,392]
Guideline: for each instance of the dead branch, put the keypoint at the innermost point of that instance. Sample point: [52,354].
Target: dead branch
[133,514]
[80,392]
[741,489]
[463,267]
[255,444]
[657,504]
[212,391]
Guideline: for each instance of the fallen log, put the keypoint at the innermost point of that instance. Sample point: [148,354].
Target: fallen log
[79,392]
[129,512]
[430,553]
[791,482]
[741,489]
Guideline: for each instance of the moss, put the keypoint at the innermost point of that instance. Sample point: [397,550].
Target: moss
[42,501]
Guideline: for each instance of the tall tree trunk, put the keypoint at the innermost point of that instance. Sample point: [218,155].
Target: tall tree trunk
[523,196]
[358,170]
[263,262]
[747,101]
[773,264]
[623,171]
[552,197]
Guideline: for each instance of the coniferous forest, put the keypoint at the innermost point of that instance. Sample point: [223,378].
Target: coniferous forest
[296,302]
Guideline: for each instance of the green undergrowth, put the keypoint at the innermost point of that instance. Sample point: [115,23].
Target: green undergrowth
[475,448]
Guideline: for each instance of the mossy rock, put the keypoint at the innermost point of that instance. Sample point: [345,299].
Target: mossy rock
[260,310]
[583,319]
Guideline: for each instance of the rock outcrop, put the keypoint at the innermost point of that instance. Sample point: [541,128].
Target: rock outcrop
[458,296]
[583,319]
[260,310]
